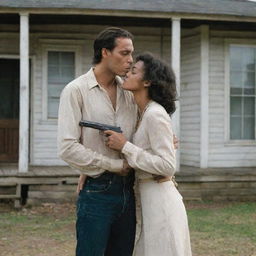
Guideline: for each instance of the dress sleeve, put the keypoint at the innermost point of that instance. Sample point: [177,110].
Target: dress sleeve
[161,158]
[69,133]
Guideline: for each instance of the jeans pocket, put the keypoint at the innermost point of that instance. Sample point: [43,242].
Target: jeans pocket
[98,185]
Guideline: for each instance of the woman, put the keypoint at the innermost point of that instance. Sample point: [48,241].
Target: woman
[164,227]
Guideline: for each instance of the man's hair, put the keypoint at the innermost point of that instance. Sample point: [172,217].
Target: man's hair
[107,39]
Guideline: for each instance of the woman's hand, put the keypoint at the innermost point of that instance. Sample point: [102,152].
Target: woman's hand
[115,140]
[81,182]
[126,169]
[161,178]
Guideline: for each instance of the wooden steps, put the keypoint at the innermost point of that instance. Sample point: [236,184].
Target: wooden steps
[16,195]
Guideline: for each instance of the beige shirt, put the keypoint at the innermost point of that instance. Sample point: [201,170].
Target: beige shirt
[152,151]
[84,148]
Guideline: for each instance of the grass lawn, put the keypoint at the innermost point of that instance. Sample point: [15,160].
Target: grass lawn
[217,229]
[223,229]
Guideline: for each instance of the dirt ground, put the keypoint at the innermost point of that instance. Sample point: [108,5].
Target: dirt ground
[49,229]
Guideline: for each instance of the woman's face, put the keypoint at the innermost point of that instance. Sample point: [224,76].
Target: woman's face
[134,78]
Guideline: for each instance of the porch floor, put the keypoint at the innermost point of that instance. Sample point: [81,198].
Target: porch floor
[11,170]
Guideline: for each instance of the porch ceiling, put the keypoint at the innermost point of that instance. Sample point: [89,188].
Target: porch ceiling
[242,8]
[47,19]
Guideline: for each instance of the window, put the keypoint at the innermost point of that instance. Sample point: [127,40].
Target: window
[61,63]
[61,70]
[242,92]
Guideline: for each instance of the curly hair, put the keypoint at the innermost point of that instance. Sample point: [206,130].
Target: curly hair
[107,39]
[162,87]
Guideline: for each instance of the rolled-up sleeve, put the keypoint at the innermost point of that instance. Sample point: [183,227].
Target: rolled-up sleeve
[160,159]
[69,134]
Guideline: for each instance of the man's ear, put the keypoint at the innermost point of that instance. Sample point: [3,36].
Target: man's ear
[147,83]
[104,52]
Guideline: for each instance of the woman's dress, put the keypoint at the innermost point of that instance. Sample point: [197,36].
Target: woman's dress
[162,227]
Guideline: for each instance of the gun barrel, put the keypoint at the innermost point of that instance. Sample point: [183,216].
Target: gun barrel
[100,126]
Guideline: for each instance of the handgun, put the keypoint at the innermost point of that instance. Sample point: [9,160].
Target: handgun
[100,126]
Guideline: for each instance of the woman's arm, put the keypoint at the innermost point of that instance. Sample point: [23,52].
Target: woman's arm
[161,160]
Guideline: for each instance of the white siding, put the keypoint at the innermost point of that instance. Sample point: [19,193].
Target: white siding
[223,153]
[190,100]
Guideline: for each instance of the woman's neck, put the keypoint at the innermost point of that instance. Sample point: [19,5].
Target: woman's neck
[141,98]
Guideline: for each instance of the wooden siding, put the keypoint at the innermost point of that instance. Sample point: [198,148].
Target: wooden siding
[190,100]
[222,152]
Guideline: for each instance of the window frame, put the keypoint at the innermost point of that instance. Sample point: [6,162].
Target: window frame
[58,45]
[228,44]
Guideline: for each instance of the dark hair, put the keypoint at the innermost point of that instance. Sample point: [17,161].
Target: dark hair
[163,87]
[107,39]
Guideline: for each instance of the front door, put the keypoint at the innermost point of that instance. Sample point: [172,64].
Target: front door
[9,110]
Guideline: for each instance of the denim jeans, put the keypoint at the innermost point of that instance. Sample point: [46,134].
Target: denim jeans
[106,216]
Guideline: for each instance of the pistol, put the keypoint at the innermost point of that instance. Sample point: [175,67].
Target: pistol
[99,126]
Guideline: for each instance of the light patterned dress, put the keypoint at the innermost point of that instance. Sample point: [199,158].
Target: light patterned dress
[162,227]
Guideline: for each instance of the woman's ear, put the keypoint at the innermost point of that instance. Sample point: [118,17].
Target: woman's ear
[147,83]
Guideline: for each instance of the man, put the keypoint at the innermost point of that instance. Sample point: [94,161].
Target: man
[105,207]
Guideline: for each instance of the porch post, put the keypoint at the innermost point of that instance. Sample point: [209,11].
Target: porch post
[204,77]
[175,62]
[24,93]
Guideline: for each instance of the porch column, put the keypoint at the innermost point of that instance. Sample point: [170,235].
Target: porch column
[175,62]
[24,93]
[204,97]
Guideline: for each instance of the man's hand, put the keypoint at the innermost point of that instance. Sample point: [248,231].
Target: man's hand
[175,142]
[81,182]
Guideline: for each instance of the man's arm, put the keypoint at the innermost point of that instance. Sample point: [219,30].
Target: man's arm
[69,133]
[82,178]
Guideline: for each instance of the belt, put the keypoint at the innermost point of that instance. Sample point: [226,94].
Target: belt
[159,179]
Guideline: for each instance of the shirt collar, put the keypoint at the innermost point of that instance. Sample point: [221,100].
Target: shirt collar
[92,82]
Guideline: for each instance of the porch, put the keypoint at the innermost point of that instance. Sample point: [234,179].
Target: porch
[40,184]
[58,184]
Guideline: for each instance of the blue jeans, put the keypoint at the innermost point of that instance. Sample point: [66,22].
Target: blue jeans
[106,216]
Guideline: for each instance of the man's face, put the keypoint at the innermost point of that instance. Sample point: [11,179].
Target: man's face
[119,60]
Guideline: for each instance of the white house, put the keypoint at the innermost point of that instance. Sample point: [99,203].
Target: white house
[211,46]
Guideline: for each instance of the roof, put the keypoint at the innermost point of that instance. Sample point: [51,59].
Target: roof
[246,8]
